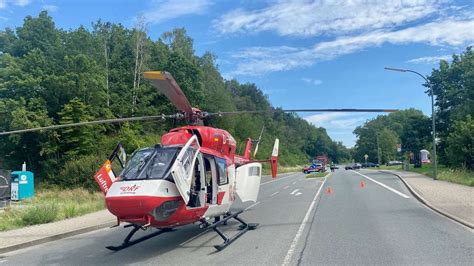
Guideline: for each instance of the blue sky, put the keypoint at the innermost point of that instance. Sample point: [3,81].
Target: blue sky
[302,54]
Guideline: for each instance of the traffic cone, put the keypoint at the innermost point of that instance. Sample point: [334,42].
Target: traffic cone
[329,191]
[362,184]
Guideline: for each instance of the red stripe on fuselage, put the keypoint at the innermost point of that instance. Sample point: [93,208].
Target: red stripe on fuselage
[137,209]
[220,196]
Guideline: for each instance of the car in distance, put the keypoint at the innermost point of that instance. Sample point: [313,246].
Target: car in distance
[390,163]
[353,166]
[369,164]
[313,168]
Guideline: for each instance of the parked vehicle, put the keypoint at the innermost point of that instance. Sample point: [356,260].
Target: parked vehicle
[369,164]
[390,163]
[353,166]
[314,168]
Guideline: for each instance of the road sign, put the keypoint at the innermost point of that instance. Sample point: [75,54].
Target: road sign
[366,156]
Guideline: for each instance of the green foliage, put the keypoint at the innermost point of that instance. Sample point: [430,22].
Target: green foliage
[453,86]
[379,137]
[40,214]
[51,205]
[460,143]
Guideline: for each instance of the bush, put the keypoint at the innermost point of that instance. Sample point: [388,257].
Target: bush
[40,214]
[460,143]
[78,173]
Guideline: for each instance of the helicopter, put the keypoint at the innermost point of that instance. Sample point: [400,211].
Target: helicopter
[193,176]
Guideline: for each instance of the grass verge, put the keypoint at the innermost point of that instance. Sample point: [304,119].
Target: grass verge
[316,175]
[458,176]
[49,206]
[266,170]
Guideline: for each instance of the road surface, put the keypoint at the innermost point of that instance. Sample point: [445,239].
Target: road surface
[374,222]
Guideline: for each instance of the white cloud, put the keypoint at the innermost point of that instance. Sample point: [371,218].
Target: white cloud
[5,3]
[50,8]
[163,10]
[347,121]
[261,60]
[429,59]
[310,18]
[339,125]
[314,82]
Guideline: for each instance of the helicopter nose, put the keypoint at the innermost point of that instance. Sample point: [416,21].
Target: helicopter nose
[132,206]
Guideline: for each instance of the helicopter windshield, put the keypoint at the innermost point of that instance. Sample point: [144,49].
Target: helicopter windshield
[150,163]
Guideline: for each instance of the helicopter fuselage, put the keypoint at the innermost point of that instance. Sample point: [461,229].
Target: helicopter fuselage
[206,187]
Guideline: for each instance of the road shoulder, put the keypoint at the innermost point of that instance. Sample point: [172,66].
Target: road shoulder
[451,200]
[39,234]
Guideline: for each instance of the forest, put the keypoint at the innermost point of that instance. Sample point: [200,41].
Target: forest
[50,76]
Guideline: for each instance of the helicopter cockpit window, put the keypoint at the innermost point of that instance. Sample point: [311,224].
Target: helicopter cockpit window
[150,163]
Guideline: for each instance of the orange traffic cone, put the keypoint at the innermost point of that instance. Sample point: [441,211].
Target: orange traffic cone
[329,191]
[362,184]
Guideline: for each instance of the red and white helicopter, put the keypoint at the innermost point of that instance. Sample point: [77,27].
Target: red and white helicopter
[193,175]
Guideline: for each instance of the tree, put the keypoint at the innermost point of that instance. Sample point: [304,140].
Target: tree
[453,87]
[460,143]
[76,140]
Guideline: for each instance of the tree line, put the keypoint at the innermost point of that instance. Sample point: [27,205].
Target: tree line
[50,75]
[453,88]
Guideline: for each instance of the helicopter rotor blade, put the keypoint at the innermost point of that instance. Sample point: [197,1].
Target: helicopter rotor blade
[258,141]
[165,83]
[95,122]
[303,110]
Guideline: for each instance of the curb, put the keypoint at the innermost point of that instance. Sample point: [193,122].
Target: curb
[428,204]
[55,237]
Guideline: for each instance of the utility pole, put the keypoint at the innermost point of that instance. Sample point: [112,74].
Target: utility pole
[433,114]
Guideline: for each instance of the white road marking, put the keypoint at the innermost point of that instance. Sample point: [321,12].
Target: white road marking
[286,187]
[277,179]
[293,183]
[294,191]
[292,248]
[299,193]
[274,193]
[383,185]
[255,204]
[3,261]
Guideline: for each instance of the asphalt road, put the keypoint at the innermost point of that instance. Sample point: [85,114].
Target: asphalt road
[379,223]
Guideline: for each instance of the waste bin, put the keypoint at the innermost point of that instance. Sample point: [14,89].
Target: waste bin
[22,185]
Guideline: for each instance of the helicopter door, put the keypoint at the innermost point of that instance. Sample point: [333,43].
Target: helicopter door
[247,181]
[183,168]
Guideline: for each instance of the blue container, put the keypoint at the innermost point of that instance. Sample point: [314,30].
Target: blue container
[22,185]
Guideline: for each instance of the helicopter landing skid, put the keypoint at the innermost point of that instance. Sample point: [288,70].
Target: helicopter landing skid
[127,243]
[243,227]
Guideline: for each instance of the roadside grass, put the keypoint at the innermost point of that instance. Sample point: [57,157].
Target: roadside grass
[266,170]
[316,175]
[453,175]
[49,206]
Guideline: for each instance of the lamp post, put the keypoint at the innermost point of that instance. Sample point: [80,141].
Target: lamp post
[433,115]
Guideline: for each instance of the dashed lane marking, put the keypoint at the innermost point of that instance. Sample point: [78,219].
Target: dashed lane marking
[294,191]
[286,187]
[255,204]
[292,248]
[277,179]
[274,193]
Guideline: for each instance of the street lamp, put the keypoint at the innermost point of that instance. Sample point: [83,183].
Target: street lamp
[433,115]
